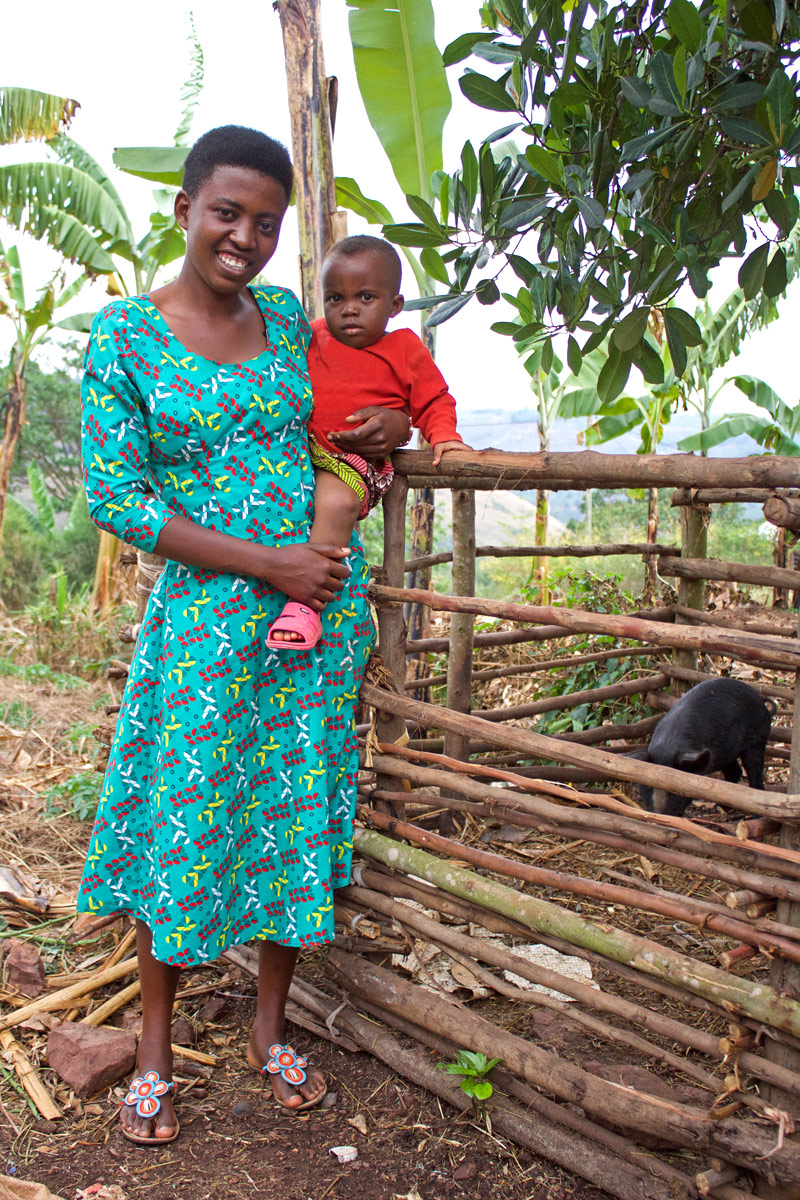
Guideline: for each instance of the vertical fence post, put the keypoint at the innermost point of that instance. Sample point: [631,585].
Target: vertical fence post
[784,976]
[691,592]
[459,663]
[391,622]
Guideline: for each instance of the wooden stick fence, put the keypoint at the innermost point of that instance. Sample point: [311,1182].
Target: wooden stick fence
[723,1046]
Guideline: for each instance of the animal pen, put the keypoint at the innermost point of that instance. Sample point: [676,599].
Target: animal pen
[723,1038]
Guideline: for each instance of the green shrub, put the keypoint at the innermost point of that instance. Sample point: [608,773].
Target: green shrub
[24,559]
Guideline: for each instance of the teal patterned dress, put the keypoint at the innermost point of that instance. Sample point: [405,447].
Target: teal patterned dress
[226,814]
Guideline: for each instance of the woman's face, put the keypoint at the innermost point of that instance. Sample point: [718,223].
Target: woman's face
[232,226]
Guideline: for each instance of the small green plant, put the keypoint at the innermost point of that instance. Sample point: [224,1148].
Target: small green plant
[473,1067]
[76,797]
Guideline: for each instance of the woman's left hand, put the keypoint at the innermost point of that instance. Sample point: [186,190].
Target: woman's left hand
[379,432]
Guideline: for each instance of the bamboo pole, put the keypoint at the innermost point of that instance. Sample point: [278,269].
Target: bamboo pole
[736,995]
[734,643]
[742,1142]
[565,551]
[614,766]
[100,1014]
[29,1077]
[64,997]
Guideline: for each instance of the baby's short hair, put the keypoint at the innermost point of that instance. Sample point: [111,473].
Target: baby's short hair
[362,243]
[236,146]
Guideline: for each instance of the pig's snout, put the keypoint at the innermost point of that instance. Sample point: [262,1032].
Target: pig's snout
[667,803]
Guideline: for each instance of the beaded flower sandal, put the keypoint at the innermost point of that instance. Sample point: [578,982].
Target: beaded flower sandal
[144,1094]
[290,1066]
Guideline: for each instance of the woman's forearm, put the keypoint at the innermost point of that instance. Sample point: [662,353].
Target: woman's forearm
[185,542]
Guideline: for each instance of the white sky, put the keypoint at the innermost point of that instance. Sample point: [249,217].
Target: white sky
[126,64]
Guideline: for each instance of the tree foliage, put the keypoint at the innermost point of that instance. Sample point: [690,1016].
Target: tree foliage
[643,142]
[51,438]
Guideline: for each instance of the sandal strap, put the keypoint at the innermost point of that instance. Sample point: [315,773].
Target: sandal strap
[145,1092]
[285,1061]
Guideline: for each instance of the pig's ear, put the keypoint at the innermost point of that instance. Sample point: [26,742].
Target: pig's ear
[640,752]
[696,761]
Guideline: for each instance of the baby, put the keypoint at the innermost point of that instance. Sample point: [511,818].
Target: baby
[354,362]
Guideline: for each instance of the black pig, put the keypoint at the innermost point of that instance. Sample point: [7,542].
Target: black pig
[711,728]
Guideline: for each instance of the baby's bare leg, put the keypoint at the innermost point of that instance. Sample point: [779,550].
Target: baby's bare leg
[336,509]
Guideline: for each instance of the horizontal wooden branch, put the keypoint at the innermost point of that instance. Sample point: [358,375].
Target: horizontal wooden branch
[783,511]
[584,469]
[733,572]
[702,497]
[722,619]
[680,1125]
[567,551]
[538,745]
[756,1000]
[749,646]
[615,691]
[593,997]
[566,662]
[607,893]
[691,676]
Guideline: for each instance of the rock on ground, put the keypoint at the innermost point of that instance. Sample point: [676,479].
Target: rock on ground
[24,967]
[90,1058]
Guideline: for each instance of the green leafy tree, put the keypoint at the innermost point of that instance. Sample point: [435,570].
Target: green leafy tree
[644,138]
[32,324]
[51,436]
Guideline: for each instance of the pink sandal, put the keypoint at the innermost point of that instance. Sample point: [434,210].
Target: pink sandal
[296,618]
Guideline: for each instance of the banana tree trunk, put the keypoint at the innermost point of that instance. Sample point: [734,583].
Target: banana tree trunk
[314,183]
[13,421]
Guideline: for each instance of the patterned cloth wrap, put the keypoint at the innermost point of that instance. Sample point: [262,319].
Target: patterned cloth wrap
[369,480]
[227,809]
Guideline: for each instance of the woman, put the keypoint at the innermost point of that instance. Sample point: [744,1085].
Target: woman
[226,814]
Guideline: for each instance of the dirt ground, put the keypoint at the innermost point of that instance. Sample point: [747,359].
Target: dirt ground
[234,1141]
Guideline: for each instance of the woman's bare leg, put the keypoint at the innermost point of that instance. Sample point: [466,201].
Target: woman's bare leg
[159,981]
[336,509]
[275,970]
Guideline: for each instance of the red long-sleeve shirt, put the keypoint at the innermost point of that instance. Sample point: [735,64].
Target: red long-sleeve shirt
[396,372]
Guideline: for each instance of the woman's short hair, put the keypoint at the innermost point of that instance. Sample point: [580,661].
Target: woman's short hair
[236,146]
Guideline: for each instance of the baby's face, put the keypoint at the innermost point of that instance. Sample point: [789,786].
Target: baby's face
[359,298]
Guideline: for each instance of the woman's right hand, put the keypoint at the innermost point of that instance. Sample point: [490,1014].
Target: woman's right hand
[312,572]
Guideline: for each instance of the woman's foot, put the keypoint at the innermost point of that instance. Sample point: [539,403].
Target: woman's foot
[163,1126]
[308,1093]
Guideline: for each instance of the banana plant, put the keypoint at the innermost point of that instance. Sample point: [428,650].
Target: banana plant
[778,431]
[69,201]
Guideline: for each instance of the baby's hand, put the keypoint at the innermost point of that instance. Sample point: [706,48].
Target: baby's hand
[440,447]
